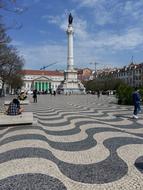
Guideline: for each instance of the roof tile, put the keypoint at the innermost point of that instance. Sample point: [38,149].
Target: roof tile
[41,72]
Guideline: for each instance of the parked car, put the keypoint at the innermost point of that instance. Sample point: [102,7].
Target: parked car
[29,92]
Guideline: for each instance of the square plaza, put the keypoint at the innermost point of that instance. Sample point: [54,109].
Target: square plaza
[76,142]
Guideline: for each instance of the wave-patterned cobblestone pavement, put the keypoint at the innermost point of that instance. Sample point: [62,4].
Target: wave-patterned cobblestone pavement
[78,143]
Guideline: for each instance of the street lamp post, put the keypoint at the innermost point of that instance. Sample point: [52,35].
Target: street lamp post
[95,72]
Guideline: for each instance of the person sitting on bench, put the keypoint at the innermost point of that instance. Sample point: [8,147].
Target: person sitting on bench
[22,96]
[14,108]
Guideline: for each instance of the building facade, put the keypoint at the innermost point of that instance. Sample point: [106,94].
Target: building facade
[84,74]
[41,80]
[131,74]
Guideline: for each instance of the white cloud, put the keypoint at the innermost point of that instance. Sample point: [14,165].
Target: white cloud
[90,46]
[134,8]
[130,39]
[88,3]
[43,32]
[52,19]
[87,48]
[111,11]
[58,20]
[80,26]
[42,55]
[101,47]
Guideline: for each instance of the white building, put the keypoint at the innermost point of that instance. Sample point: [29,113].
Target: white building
[131,74]
[41,80]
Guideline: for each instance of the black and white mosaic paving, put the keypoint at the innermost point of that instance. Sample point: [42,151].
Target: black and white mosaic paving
[77,143]
[31,181]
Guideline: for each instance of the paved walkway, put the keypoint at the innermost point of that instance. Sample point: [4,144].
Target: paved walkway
[78,143]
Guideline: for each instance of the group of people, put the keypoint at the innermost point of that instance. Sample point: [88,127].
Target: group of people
[14,106]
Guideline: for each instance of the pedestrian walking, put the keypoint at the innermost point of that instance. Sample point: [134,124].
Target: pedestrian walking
[50,90]
[98,93]
[35,96]
[136,102]
[54,93]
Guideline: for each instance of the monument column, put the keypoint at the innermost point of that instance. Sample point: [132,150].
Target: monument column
[70,61]
[71,84]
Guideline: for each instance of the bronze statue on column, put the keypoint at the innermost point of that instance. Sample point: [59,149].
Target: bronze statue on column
[70,19]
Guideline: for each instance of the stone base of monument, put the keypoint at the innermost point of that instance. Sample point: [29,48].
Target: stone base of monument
[71,87]
[22,102]
[22,119]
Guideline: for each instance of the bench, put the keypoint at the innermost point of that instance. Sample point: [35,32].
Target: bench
[22,119]
[22,102]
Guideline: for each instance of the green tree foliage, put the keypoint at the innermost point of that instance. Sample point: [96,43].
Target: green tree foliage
[102,84]
[124,94]
[141,93]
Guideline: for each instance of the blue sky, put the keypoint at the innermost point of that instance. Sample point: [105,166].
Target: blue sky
[109,32]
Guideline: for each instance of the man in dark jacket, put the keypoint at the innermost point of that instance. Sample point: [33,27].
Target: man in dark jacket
[136,102]
[35,96]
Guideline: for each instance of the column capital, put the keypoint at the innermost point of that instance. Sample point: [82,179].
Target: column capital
[70,30]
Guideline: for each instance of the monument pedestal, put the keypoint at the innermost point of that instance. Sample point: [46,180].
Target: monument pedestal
[71,85]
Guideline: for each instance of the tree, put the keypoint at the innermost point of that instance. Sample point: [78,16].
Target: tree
[10,64]
[4,39]
[11,6]
[10,61]
[124,94]
[15,82]
[102,84]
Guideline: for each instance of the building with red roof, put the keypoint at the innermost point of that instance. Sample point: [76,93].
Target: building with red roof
[41,80]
